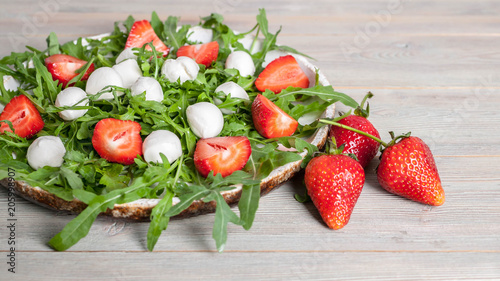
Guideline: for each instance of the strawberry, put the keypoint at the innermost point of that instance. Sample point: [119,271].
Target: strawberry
[363,147]
[202,53]
[280,74]
[142,33]
[407,168]
[334,183]
[23,115]
[64,67]
[270,120]
[222,155]
[117,140]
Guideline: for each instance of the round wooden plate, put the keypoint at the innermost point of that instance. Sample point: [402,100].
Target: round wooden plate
[141,209]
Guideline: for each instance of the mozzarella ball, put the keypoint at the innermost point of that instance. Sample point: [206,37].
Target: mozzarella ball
[205,119]
[241,61]
[46,151]
[129,71]
[182,68]
[150,86]
[125,55]
[272,55]
[199,35]
[10,83]
[235,90]
[70,97]
[161,141]
[247,42]
[101,78]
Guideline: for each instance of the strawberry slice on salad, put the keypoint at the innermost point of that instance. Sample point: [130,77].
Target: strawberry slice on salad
[23,115]
[64,67]
[142,33]
[280,74]
[270,120]
[202,53]
[117,140]
[223,155]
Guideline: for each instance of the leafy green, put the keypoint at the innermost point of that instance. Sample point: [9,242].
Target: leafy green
[101,184]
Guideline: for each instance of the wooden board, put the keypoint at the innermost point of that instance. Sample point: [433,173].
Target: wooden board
[434,70]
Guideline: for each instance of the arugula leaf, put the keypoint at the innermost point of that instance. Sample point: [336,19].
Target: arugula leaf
[79,227]
[223,215]
[53,44]
[248,204]
[159,222]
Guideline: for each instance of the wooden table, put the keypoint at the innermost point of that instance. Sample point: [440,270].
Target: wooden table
[434,67]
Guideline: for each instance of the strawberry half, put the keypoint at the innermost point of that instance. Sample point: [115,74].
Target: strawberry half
[117,140]
[64,67]
[280,74]
[270,120]
[142,33]
[223,155]
[23,115]
[202,53]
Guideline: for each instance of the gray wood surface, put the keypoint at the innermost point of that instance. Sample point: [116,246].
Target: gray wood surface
[434,67]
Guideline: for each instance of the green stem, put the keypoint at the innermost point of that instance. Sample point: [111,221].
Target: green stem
[326,121]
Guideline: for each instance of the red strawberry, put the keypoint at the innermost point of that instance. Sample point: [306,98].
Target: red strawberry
[223,155]
[270,120]
[363,147]
[64,67]
[23,115]
[142,33]
[202,53]
[407,168]
[334,183]
[281,73]
[117,140]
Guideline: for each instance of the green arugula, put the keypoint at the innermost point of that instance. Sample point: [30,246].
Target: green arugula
[101,184]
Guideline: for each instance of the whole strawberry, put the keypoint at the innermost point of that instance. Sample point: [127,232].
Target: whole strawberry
[334,183]
[363,147]
[408,169]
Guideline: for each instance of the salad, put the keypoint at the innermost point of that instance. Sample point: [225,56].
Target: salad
[158,110]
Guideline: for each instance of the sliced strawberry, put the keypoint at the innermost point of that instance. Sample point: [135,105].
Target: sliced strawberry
[23,115]
[280,74]
[142,33]
[117,140]
[270,120]
[223,155]
[202,53]
[64,67]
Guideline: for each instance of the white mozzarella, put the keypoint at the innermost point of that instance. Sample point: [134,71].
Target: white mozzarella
[199,35]
[129,71]
[125,55]
[205,119]
[161,141]
[150,86]
[241,61]
[46,151]
[101,78]
[235,90]
[70,97]
[10,83]
[182,68]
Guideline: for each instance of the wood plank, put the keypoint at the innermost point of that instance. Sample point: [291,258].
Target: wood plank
[380,221]
[315,265]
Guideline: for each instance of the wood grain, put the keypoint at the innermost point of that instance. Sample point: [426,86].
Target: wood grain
[434,69]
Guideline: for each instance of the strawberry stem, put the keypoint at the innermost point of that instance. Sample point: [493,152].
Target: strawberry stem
[330,122]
